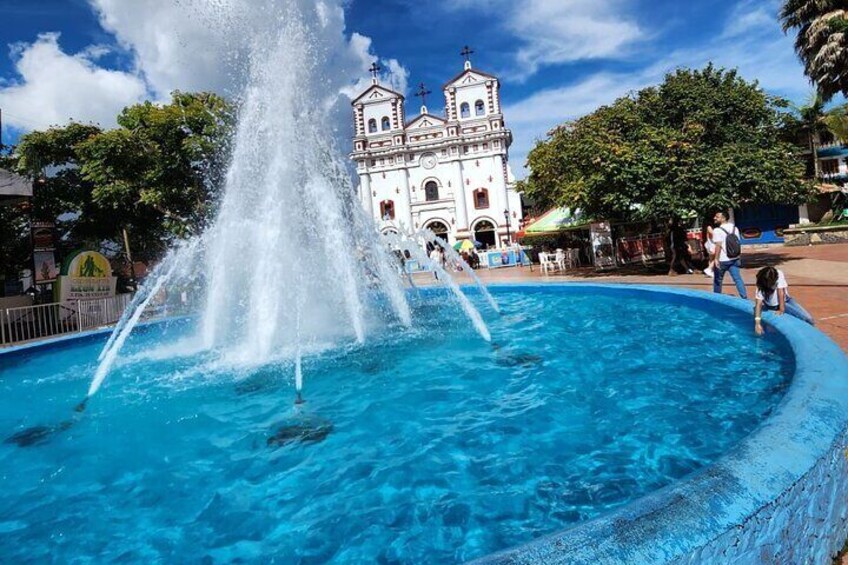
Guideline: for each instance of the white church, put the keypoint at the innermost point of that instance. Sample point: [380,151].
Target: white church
[449,174]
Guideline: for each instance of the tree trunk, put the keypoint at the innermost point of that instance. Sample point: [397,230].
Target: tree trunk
[815,153]
[129,256]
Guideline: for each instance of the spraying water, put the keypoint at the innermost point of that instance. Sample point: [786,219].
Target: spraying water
[418,253]
[432,238]
[129,320]
[289,226]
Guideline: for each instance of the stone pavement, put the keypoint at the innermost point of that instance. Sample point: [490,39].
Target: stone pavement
[817,276]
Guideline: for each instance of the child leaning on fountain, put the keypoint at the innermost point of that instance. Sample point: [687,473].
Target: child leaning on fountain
[773,294]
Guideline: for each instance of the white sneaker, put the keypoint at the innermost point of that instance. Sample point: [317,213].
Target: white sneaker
[708,272]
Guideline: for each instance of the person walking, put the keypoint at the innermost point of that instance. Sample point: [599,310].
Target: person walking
[773,294]
[726,256]
[679,248]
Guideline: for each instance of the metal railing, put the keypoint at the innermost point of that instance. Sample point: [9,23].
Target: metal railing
[28,323]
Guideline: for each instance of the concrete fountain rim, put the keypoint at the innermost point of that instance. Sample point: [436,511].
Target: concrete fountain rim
[809,423]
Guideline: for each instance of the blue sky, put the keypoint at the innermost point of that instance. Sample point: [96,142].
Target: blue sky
[557,59]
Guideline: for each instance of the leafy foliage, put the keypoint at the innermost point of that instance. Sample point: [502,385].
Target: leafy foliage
[154,175]
[822,41]
[701,141]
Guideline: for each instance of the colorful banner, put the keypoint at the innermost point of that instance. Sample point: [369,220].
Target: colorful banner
[641,248]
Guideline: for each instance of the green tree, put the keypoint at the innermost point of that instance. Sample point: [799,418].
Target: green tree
[836,121]
[702,140]
[822,41]
[153,176]
[60,193]
[164,161]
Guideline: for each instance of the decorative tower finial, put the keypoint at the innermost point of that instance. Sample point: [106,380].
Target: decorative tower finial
[467,52]
[422,93]
[375,71]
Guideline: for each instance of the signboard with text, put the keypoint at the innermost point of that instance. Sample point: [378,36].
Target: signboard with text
[86,275]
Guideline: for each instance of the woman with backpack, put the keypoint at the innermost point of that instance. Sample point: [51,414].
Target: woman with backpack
[726,254]
[773,294]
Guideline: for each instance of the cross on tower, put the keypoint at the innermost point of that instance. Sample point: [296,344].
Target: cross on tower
[422,93]
[467,52]
[375,70]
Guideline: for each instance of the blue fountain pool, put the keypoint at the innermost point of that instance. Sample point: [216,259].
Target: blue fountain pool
[443,447]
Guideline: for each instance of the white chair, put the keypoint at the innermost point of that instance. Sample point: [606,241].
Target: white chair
[560,259]
[547,262]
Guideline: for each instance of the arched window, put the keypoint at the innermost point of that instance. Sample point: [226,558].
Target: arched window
[372,126]
[387,210]
[479,108]
[440,229]
[464,110]
[431,190]
[481,198]
[484,233]
[385,123]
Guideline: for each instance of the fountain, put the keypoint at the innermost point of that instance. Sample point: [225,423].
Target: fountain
[291,248]
[432,444]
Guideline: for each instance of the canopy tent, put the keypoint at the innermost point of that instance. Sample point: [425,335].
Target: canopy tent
[13,188]
[554,220]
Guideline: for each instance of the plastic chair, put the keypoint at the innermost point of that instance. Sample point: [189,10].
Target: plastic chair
[560,259]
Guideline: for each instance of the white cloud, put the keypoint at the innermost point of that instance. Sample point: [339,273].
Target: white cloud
[186,45]
[553,32]
[751,41]
[394,75]
[55,86]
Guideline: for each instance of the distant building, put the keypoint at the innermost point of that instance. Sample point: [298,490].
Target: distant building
[833,161]
[447,173]
[765,223]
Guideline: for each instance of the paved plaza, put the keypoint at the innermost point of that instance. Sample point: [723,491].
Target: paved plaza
[817,276]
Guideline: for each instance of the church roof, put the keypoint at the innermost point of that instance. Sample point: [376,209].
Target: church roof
[434,120]
[465,72]
[376,91]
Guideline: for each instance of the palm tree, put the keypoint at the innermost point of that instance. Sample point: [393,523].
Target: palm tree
[836,121]
[811,119]
[822,41]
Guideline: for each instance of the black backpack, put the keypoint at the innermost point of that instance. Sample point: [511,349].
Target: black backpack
[732,246]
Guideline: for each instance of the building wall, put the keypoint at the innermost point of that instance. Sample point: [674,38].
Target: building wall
[470,94]
[377,112]
[460,155]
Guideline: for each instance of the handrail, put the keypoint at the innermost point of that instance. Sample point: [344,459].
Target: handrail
[27,323]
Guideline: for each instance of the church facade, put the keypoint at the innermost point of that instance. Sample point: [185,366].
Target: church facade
[447,173]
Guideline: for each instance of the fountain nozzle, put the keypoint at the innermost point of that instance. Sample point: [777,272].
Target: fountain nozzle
[81,406]
[299,399]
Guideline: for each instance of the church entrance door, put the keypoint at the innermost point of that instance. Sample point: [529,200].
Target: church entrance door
[484,232]
[440,230]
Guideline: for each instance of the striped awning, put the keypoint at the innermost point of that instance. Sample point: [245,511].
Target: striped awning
[554,220]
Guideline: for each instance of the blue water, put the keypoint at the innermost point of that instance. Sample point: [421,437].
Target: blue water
[443,447]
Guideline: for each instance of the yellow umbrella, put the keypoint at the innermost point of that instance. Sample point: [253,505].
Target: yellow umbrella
[466,245]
